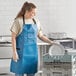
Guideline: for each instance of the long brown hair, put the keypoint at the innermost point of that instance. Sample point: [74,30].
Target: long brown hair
[26,7]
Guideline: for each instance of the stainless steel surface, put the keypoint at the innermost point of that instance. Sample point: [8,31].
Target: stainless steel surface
[5,54]
[4,66]
[5,49]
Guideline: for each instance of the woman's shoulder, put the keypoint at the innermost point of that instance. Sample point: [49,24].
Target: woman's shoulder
[19,20]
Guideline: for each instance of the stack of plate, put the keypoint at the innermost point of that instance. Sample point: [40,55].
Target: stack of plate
[57,35]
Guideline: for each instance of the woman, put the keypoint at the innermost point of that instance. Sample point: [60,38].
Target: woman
[25,30]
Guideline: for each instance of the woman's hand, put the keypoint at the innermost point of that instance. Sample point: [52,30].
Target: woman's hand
[15,56]
[51,42]
[54,42]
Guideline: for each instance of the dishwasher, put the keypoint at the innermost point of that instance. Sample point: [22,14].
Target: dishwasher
[56,61]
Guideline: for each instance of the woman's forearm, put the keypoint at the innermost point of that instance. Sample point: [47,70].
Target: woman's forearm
[15,55]
[45,39]
[14,42]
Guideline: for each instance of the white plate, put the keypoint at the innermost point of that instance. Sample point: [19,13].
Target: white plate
[56,49]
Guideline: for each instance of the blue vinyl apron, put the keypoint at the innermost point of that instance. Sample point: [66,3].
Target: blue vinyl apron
[27,50]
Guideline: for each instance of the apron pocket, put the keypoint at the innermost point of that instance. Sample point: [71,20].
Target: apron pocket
[18,48]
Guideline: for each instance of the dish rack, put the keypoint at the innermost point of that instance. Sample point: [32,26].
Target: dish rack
[57,65]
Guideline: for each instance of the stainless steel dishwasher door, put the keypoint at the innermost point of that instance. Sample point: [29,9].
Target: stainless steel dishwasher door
[5,51]
[5,58]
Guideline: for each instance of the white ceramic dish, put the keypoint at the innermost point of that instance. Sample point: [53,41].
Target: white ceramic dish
[56,49]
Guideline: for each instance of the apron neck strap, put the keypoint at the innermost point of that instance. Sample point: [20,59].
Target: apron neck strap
[34,21]
[23,20]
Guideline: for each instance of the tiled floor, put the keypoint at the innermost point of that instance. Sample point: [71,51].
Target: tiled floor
[6,75]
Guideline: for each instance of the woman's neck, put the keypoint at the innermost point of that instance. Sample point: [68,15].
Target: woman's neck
[27,17]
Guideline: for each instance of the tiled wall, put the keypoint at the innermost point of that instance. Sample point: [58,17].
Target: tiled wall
[54,15]
[10,8]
